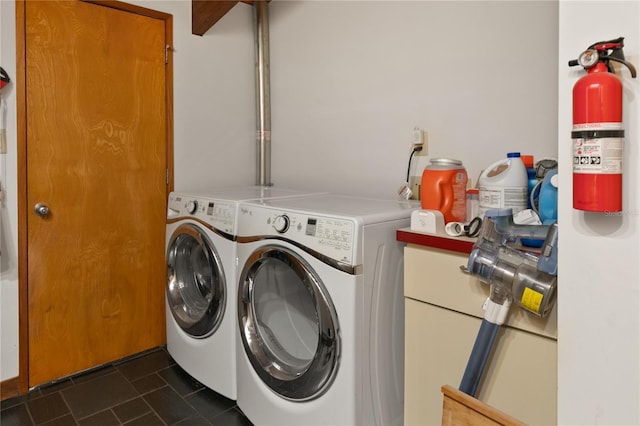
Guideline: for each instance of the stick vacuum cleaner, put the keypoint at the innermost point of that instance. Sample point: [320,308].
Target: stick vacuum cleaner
[513,274]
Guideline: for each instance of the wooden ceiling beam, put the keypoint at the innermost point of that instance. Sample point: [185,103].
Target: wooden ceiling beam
[205,13]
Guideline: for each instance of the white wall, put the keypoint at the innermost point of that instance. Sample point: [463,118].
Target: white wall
[214,96]
[350,80]
[599,288]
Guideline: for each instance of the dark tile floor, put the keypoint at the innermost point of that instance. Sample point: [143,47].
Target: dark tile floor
[149,389]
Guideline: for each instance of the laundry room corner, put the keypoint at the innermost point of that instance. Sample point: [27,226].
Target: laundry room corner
[274,281]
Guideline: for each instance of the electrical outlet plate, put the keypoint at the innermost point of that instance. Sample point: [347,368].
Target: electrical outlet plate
[425,144]
[414,186]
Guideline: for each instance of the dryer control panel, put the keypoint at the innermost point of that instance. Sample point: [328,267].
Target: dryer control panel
[217,214]
[331,236]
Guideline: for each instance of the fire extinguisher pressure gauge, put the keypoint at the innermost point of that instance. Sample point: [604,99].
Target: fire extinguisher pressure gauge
[588,58]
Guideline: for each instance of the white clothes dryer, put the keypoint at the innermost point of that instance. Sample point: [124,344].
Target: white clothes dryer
[202,281]
[321,311]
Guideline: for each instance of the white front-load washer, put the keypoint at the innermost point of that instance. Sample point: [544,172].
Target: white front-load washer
[321,311]
[202,281]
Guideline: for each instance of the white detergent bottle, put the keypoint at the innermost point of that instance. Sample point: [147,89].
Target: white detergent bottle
[503,185]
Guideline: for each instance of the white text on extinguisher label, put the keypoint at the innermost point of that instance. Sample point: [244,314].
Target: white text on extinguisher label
[597,154]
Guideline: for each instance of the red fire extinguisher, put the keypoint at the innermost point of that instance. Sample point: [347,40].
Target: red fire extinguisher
[598,134]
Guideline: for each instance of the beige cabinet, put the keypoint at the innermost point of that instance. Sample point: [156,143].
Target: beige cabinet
[443,312]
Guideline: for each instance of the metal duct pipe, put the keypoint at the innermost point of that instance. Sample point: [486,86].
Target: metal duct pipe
[263,97]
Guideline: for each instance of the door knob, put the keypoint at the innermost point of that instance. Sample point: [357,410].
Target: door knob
[41,209]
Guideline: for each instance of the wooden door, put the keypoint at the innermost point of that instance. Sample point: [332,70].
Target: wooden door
[97,157]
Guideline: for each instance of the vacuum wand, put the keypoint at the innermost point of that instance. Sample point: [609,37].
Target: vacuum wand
[480,354]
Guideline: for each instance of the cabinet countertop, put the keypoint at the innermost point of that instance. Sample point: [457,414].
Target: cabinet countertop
[456,244]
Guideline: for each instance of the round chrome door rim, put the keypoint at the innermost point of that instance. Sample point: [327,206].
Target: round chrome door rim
[304,381]
[205,320]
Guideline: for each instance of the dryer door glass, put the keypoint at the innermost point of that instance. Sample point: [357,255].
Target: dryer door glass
[289,324]
[196,284]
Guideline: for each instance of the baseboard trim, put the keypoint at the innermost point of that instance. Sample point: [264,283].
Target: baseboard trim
[9,388]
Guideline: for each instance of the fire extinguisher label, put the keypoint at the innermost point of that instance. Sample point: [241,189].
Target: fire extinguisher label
[597,148]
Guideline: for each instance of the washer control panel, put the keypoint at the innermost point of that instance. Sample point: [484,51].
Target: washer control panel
[330,236]
[218,214]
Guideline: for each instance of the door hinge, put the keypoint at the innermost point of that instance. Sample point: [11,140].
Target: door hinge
[167,48]
[167,176]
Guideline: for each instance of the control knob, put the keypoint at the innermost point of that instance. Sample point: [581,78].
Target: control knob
[192,206]
[281,223]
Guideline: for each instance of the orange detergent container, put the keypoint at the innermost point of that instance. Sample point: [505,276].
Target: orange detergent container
[443,187]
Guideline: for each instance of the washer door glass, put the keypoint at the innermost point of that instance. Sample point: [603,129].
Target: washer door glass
[196,287]
[288,324]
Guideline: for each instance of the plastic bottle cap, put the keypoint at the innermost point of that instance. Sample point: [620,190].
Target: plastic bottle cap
[527,160]
[513,154]
[445,162]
